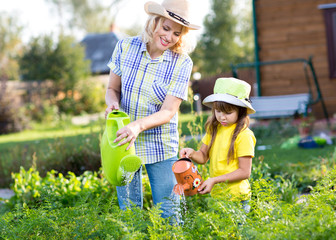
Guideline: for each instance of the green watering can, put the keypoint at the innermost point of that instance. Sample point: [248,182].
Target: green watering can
[119,164]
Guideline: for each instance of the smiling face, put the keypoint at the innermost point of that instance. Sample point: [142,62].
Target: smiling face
[165,36]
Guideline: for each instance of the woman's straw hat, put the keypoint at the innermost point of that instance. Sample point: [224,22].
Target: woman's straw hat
[175,10]
[233,91]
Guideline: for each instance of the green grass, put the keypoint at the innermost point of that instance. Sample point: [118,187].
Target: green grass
[42,133]
[66,146]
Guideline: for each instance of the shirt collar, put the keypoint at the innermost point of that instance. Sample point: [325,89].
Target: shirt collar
[166,56]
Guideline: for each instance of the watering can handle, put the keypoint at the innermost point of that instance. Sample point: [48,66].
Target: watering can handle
[184,159]
[120,121]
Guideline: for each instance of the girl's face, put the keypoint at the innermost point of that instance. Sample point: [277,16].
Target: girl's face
[167,35]
[226,119]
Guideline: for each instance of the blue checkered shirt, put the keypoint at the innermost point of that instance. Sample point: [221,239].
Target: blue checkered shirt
[145,83]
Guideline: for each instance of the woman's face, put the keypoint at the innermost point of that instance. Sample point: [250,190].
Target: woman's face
[167,35]
[226,119]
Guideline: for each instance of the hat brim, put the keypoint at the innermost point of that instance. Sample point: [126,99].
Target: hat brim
[209,100]
[155,8]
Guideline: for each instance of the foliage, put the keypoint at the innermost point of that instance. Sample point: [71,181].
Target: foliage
[10,33]
[89,98]
[35,64]
[12,118]
[68,153]
[88,16]
[45,112]
[31,189]
[52,205]
[226,39]
[274,129]
[62,62]
[85,207]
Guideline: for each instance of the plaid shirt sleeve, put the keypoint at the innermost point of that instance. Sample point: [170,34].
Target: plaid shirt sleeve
[114,63]
[179,87]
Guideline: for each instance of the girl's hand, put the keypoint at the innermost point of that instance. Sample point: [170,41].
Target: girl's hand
[206,186]
[129,133]
[186,152]
[113,106]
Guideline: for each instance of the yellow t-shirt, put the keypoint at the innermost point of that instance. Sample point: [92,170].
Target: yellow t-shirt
[244,146]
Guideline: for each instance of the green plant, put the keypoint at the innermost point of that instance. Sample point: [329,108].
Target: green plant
[12,118]
[67,210]
[31,189]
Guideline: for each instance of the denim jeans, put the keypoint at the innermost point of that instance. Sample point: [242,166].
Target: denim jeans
[246,206]
[162,181]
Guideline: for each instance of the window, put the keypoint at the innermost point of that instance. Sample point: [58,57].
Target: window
[329,12]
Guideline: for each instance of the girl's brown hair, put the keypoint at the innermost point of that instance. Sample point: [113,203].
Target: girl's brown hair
[154,22]
[211,125]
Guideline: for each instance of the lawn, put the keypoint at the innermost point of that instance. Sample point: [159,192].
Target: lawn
[66,147]
[83,205]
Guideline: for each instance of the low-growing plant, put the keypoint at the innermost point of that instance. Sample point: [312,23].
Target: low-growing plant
[31,189]
[96,215]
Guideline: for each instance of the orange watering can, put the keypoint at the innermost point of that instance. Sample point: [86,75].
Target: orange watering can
[187,177]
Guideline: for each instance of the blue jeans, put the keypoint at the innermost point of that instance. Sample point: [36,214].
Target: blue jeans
[162,181]
[246,206]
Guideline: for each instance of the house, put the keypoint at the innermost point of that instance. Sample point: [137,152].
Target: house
[296,29]
[98,49]
[286,31]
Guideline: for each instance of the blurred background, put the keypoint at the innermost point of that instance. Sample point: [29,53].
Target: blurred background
[53,53]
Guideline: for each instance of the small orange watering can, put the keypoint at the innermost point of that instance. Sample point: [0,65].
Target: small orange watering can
[187,177]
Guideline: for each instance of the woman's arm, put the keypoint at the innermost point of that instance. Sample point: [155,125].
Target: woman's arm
[201,156]
[112,97]
[243,172]
[130,132]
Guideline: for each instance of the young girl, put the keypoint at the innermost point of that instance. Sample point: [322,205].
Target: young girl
[228,143]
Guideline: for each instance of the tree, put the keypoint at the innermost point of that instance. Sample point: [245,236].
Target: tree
[63,62]
[222,42]
[35,64]
[10,46]
[86,15]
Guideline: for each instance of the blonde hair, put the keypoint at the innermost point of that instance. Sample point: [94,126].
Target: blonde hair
[211,125]
[185,43]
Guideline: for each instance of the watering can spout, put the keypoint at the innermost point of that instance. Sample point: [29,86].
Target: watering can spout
[179,188]
[119,164]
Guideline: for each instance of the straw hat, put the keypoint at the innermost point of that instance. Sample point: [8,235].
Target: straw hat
[175,10]
[233,91]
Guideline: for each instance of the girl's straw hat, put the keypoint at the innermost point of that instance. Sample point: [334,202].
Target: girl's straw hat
[233,91]
[175,10]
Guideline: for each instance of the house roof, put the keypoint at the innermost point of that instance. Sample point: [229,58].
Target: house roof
[98,49]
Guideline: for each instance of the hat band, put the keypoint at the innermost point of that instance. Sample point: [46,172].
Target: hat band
[177,17]
[246,99]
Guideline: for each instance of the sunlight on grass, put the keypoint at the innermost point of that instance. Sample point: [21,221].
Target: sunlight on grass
[29,135]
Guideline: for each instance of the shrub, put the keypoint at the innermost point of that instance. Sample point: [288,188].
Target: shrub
[12,118]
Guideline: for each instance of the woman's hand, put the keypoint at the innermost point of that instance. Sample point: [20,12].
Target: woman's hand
[110,108]
[186,152]
[112,96]
[206,186]
[129,133]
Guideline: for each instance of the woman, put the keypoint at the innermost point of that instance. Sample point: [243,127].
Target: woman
[148,80]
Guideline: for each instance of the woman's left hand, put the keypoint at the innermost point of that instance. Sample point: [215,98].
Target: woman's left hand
[129,133]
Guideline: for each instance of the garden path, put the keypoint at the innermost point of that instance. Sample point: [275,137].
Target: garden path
[6,193]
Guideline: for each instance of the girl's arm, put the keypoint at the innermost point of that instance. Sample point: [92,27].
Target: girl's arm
[201,156]
[243,172]
[130,132]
